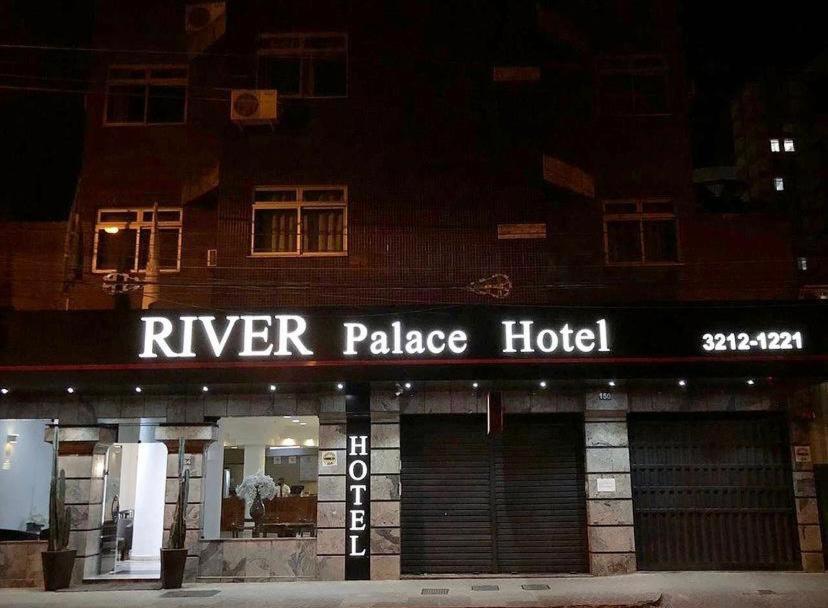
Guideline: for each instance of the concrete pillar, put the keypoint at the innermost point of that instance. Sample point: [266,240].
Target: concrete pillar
[385,487]
[807,511]
[198,438]
[83,458]
[609,491]
[330,508]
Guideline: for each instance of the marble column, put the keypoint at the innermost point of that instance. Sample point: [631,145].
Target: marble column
[609,494]
[83,459]
[807,510]
[330,507]
[385,486]
[198,438]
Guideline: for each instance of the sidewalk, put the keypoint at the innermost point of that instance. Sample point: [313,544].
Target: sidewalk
[642,590]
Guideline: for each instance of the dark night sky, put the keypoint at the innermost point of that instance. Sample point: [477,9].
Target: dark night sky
[726,41]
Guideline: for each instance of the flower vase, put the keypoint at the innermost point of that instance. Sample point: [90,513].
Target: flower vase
[257,511]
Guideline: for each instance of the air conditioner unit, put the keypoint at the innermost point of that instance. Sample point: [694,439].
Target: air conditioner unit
[251,106]
[198,17]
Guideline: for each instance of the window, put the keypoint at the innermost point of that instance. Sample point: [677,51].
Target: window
[634,85]
[306,220]
[304,65]
[789,145]
[122,239]
[774,143]
[643,232]
[779,184]
[146,95]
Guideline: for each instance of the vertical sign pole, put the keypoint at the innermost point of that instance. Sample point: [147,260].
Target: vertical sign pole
[358,482]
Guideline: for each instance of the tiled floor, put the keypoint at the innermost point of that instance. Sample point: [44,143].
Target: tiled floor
[131,570]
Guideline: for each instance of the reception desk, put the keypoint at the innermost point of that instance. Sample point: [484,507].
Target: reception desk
[288,516]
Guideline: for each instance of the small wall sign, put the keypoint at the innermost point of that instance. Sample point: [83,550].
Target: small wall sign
[605,484]
[329,459]
[802,453]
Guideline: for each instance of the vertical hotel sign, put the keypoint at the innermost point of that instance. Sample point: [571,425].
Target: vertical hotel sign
[358,487]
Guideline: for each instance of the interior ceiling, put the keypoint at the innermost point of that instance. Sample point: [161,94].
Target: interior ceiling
[270,431]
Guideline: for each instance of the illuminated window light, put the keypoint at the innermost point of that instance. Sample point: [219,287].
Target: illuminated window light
[112,230]
[542,384]
[138,389]
[70,390]
[339,386]
[774,144]
[802,263]
[779,184]
[682,382]
[751,382]
[272,388]
[204,389]
[611,383]
[789,145]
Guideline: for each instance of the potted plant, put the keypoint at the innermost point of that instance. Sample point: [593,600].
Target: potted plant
[58,561]
[255,489]
[174,557]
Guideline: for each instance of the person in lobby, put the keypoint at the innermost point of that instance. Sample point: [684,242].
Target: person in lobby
[282,489]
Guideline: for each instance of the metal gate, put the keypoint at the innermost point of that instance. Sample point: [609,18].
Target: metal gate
[512,503]
[712,492]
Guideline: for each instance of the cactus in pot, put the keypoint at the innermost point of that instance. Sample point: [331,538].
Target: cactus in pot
[174,557]
[58,561]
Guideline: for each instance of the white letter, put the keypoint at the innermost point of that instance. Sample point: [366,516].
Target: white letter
[160,337]
[397,327]
[379,343]
[432,348]
[294,336]
[360,443]
[510,337]
[553,340]
[215,343]
[457,341]
[414,343]
[352,472]
[565,333]
[603,341]
[354,332]
[357,520]
[354,552]
[585,334]
[249,335]
[187,337]
[358,490]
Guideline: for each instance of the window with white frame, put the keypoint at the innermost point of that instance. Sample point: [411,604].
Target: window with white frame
[304,65]
[640,232]
[779,183]
[146,95]
[774,144]
[789,145]
[304,220]
[122,239]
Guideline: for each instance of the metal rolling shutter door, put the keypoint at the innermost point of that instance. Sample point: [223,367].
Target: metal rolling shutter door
[445,510]
[712,492]
[540,503]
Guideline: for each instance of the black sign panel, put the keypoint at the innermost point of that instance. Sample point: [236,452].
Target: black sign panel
[358,484]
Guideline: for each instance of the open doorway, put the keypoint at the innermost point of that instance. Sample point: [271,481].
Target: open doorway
[133,511]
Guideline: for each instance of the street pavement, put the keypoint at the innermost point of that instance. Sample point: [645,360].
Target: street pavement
[641,590]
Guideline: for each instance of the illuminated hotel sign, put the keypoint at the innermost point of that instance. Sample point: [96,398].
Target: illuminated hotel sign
[358,497]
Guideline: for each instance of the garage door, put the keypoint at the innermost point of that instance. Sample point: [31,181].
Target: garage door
[513,503]
[712,492]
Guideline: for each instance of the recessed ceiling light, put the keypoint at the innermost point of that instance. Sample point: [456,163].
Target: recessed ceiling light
[70,390]
[309,442]
[339,386]
[751,381]
[475,385]
[288,441]
[4,391]
[272,388]
[407,385]
[295,420]
[611,383]
[138,389]
[542,384]
[287,416]
[303,424]
[204,389]
[682,382]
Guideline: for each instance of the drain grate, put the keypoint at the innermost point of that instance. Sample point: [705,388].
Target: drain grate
[534,587]
[434,592]
[193,593]
[485,587]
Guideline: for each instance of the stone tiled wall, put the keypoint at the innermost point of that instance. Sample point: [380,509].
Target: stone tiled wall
[20,563]
[330,509]
[807,511]
[609,514]
[385,487]
[257,559]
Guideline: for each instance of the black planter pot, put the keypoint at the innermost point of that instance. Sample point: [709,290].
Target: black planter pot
[57,569]
[172,567]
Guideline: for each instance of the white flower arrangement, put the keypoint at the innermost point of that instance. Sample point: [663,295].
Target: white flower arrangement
[261,482]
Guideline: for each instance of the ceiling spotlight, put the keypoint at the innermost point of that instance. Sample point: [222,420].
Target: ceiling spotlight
[112,230]
[611,383]
[4,391]
[287,416]
[138,389]
[295,420]
[682,382]
[475,385]
[272,388]
[70,390]
[339,386]
[204,389]
[542,384]
[751,381]
[407,385]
